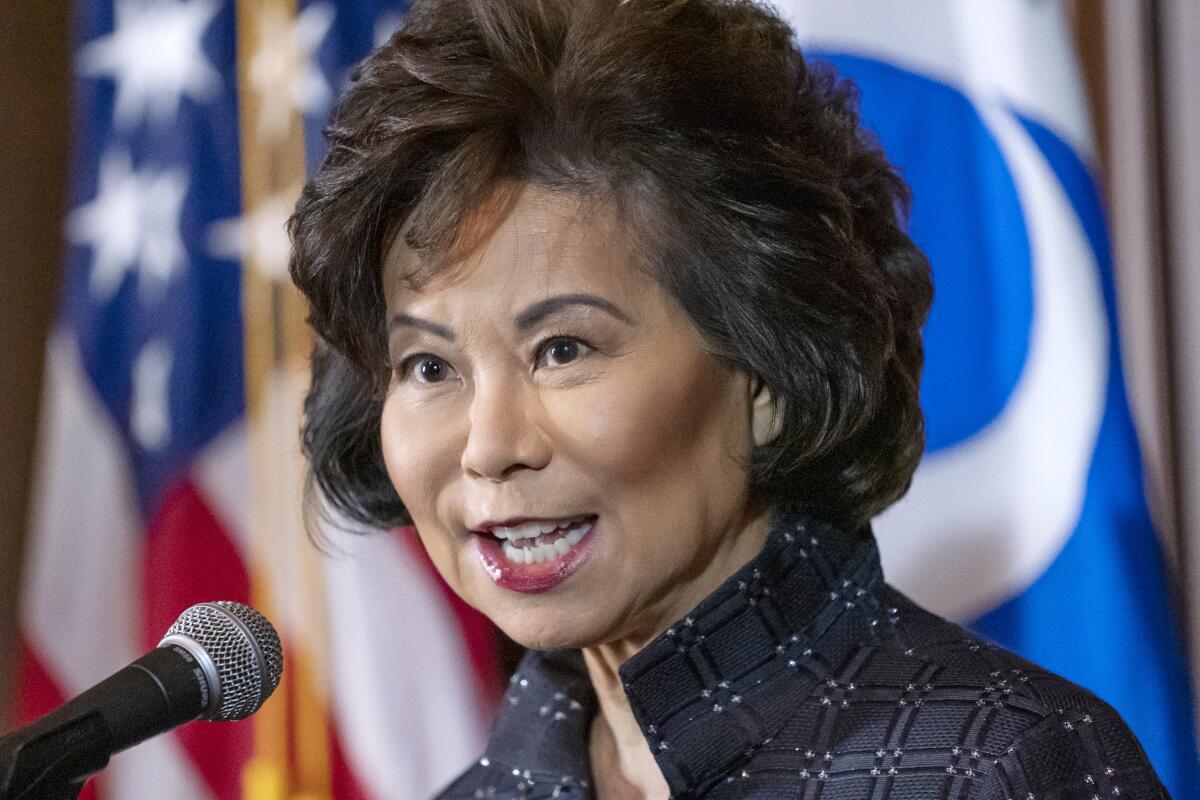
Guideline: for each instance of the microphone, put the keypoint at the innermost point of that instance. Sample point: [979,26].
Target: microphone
[219,661]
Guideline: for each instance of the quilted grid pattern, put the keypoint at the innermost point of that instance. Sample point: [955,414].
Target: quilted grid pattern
[806,677]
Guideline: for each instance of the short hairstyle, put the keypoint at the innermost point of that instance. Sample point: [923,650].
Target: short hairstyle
[741,169]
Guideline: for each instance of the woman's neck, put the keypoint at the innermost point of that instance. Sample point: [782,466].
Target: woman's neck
[623,767]
[622,764]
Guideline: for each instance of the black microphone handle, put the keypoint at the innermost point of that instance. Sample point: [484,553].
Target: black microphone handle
[52,757]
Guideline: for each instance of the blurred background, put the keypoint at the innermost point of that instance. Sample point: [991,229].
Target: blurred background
[154,357]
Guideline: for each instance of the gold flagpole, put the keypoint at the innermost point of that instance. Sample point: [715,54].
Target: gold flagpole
[291,744]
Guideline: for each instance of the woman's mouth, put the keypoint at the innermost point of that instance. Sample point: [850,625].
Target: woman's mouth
[539,542]
[534,555]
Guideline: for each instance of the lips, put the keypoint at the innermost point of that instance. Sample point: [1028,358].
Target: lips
[534,555]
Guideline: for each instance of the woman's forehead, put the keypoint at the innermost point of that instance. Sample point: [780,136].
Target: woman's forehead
[543,238]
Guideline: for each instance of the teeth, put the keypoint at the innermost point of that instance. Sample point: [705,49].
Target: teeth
[524,531]
[528,530]
[541,553]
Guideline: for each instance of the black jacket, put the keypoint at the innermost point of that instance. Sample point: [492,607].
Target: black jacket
[806,677]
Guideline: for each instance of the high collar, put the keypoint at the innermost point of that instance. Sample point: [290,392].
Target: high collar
[716,685]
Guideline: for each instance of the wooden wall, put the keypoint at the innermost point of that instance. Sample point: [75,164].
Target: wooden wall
[34,76]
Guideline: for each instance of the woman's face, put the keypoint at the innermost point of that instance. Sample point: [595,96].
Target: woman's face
[575,461]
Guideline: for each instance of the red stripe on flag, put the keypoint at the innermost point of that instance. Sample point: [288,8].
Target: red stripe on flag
[479,635]
[343,783]
[37,695]
[189,559]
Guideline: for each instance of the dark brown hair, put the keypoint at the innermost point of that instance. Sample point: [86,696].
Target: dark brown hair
[741,169]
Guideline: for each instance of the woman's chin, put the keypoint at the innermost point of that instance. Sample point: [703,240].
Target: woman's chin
[546,643]
[541,631]
[552,604]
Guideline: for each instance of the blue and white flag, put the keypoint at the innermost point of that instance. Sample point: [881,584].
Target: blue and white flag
[1027,519]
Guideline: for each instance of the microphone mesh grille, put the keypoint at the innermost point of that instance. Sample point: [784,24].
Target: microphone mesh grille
[248,656]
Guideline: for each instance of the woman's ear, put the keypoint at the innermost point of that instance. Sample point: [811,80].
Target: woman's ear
[766,412]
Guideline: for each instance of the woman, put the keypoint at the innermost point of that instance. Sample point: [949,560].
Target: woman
[617,308]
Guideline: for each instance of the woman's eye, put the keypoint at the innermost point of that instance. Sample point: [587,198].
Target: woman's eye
[426,368]
[560,350]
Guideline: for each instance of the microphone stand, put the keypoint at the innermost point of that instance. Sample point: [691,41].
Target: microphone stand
[53,758]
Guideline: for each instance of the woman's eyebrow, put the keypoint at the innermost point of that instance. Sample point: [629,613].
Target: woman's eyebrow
[400,320]
[551,305]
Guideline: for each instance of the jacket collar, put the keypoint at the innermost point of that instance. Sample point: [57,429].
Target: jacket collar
[720,683]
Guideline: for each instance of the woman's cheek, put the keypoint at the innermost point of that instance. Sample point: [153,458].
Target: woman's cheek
[609,428]
[416,456]
[417,452]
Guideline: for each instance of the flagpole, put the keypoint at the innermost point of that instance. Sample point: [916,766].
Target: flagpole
[291,742]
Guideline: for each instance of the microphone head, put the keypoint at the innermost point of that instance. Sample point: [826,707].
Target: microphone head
[239,651]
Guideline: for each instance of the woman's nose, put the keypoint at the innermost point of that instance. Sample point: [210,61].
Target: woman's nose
[504,436]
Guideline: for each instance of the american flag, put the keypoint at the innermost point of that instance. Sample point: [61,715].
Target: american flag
[169,469]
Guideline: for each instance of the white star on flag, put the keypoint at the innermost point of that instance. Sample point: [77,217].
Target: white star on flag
[259,237]
[282,71]
[150,420]
[155,56]
[132,224]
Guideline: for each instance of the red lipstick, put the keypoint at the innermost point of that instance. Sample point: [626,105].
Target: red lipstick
[530,578]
